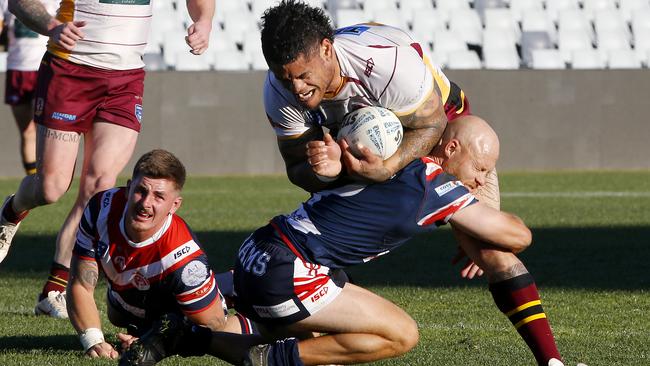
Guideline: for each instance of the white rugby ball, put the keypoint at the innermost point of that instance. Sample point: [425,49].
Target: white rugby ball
[376,128]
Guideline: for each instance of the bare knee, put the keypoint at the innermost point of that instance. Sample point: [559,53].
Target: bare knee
[52,189]
[406,338]
[95,183]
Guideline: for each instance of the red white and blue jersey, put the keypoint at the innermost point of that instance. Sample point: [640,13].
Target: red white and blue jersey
[165,273]
[380,65]
[356,223]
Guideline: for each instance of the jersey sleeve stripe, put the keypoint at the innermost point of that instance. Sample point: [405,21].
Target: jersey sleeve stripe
[442,215]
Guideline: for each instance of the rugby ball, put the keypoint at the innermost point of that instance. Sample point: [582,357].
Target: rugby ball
[376,128]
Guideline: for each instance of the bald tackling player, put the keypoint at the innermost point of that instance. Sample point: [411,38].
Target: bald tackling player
[90,83]
[286,274]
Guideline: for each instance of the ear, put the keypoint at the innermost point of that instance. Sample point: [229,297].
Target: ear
[326,49]
[176,205]
[452,147]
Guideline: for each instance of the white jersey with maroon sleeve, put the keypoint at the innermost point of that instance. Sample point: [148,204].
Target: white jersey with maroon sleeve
[164,273]
[380,65]
[115,34]
[26,47]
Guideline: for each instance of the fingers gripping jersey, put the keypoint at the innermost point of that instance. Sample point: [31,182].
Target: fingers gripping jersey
[356,223]
[162,274]
[26,47]
[380,65]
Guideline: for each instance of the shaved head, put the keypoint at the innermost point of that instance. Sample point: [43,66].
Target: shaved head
[468,149]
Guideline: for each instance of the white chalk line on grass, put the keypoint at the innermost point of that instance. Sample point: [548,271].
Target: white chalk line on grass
[594,194]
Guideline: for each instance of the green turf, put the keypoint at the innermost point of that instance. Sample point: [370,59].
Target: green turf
[589,258]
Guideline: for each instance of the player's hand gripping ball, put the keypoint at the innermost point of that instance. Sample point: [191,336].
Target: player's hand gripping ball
[376,128]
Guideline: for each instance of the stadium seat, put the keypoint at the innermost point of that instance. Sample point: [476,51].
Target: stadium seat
[174,43]
[441,59]
[519,7]
[482,5]
[623,59]
[447,41]
[501,58]
[547,59]
[554,7]
[237,25]
[590,7]
[3,61]
[574,19]
[538,21]
[501,20]
[464,59]
[230,61]
[642,44]
[393,18]
[428,21]
[498,39]
[641,22]
[467,24]
[533,41]
[612,40]
[185,61]
[153,62]
[408,6]
[371,7]
[630,7]
[345,17]
[221,41]
[571,40]
[608,20]
[449,7]
[259,6]
[587,59]
[257,61]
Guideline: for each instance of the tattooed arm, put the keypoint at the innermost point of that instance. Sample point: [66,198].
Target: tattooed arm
[422,131]
[82,309]
[33,14]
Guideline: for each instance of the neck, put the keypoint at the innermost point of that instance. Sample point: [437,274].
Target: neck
[337,79]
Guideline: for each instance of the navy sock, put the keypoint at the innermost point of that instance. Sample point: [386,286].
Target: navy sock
[285,353]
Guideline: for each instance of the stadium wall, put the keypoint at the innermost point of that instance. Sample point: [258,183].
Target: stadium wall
[547,120]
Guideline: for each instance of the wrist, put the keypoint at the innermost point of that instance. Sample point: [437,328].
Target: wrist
[91,337]
[325,179]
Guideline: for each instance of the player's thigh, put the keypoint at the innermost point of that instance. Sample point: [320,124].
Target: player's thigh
[109,148]
[56,154]
[357,310]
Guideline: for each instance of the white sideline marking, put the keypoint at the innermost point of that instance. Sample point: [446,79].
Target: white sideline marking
[595,194]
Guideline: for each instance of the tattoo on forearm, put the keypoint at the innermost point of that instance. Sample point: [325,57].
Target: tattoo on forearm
[64,136]
[514,271]
[88,274]
[32,13]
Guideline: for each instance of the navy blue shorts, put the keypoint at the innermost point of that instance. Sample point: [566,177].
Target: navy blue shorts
[275,286]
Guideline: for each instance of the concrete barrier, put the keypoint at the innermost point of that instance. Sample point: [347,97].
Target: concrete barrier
[547,120]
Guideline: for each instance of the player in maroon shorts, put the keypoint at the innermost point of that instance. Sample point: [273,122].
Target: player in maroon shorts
[90,83]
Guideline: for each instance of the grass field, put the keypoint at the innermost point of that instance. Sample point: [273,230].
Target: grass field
[589,257]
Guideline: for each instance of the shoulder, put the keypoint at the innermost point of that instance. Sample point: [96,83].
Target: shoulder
[286,116]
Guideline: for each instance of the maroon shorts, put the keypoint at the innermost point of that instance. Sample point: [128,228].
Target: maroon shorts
[457,104]
[69,97]
[19,86]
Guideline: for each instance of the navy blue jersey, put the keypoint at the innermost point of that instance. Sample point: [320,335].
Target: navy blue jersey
[356,223]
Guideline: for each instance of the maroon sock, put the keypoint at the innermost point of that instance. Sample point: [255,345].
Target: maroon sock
[519,300]
[12,216]
[57,281]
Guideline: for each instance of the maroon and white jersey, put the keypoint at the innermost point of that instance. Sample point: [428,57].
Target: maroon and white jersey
[380,65]
[164,273]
